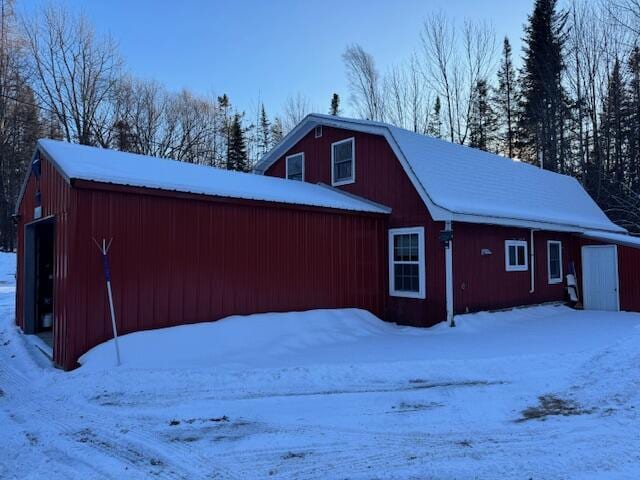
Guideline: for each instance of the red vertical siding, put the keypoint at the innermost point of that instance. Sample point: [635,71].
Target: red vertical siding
[628,272]
[185,260]
[56,198]
[381,178]
[482,282]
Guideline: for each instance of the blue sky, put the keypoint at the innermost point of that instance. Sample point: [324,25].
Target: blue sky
[272,49]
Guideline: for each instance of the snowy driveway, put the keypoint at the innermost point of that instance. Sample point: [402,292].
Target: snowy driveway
[536,393]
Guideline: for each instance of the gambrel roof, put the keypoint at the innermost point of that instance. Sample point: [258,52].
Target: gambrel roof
[460,183]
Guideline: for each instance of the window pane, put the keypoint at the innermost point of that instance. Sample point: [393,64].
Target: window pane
[521,255]
[342,152]
[342,171]
[406,277]
[512,255]
[405,248]
[554,260]
[294,168]
[554,269]
[343,161]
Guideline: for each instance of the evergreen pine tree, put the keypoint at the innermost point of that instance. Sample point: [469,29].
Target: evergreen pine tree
[634,119]
[123,136]
[614,126]
[335,105]
[277,131]
[237,158]
[543,98]
[506,101]
[483,120]
[264,132]
[434,127]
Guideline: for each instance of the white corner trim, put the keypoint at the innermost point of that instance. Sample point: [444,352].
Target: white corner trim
[421,293]
[516,243]
[346,181]
[553,281]
[286,163]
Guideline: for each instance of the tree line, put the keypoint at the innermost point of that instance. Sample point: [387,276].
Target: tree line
[572,106]
[60,79]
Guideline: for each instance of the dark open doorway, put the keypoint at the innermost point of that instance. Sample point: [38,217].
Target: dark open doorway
[39,274]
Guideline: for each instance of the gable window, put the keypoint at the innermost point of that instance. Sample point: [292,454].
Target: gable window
[295,167]
[318,131]
[554,261]
[516,255]
[343,162]
[406,262]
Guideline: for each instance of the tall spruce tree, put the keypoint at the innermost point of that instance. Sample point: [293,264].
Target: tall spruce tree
[434,127]
[482,126]
[614,127]
[237,158]
[264,132]
[543,97]
[335,105]
[277,131]
[506,101]
[634,119]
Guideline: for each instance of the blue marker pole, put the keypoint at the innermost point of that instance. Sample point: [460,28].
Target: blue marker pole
[104,249]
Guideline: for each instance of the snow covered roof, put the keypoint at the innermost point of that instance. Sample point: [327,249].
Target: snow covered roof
[111,166]
[460,183]
[617,238]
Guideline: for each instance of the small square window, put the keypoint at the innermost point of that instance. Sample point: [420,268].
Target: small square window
[516,256]
[295,167]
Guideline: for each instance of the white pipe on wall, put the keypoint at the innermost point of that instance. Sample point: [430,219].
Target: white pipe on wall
[448,257]
[532,263]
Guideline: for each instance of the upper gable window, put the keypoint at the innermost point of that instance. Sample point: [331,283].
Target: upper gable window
[318,131]
[295,167]
[516,258]
[343,162]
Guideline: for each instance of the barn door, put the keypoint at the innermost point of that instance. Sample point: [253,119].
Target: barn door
[600,277]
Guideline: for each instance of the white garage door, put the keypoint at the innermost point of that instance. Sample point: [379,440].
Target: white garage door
[600,277]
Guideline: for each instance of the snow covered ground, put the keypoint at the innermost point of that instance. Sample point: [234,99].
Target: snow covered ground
[536,393]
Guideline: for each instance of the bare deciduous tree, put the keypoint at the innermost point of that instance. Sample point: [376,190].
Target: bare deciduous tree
[453,69]
[74,72]
[364,83]
[295,108]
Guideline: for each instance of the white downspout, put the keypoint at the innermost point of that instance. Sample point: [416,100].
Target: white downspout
[448,261]
[532,263]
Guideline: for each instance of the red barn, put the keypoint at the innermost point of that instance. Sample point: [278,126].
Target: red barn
[365,215]
[492,232]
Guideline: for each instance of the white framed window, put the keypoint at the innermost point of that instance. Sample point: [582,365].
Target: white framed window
[295,167]
[516,255]
[554,261]
[406,262]
[343,162]
[318,131]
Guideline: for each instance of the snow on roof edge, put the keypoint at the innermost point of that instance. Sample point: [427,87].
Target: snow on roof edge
[617,238]
[436,209]
[334,199]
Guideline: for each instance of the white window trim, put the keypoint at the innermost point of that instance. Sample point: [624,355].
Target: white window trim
[549,243]
[421,293]
[516,243]
[317,131]
[353,162]
[286,161]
